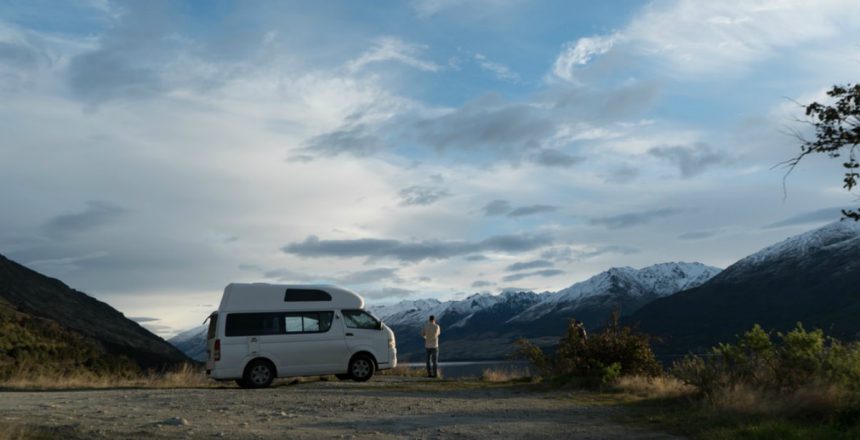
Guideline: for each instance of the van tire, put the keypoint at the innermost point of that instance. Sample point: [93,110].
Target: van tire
[241,383]
[258,374]
[361,368]
[344,376]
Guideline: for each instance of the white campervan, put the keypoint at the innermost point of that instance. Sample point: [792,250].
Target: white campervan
[264,331]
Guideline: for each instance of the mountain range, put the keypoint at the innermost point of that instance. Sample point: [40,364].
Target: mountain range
[813,277]
[46,325]
[498,320]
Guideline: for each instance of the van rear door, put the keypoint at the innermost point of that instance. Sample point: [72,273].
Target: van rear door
[211,334]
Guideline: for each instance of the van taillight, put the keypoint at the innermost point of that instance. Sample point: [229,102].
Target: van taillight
[217,350]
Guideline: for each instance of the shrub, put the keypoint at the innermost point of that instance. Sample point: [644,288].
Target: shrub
[784,371]
[600,359]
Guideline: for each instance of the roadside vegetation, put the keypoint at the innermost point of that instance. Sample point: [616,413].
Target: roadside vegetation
[184,376]
[800,384]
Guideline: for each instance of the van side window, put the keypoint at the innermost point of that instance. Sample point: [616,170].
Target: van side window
[308,322]
[253,324]
[359,319]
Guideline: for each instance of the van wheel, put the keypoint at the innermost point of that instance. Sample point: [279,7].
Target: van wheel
[361,368]
[343,376]
[258,374]
[242,383]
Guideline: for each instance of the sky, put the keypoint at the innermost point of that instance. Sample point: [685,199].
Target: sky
[153,152]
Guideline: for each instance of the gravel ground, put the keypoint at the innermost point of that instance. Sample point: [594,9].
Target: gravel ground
[384,408]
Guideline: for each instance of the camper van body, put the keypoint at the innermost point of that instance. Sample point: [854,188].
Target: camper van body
[263,331]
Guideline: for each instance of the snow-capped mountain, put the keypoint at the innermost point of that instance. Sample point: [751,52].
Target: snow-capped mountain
[192,342]
[813,278]
[622,287]
[414,313]
[834,238]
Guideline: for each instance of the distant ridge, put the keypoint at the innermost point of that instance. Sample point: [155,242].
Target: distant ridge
[812,278]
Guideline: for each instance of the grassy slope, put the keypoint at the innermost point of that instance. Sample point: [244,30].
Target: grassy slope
[33,346]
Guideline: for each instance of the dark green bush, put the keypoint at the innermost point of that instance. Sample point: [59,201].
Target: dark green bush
[599,359]
[778,365]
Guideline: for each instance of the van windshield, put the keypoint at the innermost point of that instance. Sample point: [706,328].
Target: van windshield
[360,319]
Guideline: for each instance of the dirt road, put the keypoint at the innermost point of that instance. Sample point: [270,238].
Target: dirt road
[384,408]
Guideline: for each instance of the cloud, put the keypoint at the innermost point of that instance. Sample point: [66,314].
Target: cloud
[601,250]
[532,130]
[503,207]
[372,248]
[531,210]
[546,273]
[578,54]
[718,37]
[97,213]
[697,235]
[628,220]
[501,71]
[421,195]
[691,160]
[349,278]
[488,122]
[475,258]
[357,140]
[528,265]
[550,157]
[370,276]
[143,319]
[394,49]
[428,8]
[482,283]
[496,208]
[387,292]
[817,216]
[569,254]
[103,75]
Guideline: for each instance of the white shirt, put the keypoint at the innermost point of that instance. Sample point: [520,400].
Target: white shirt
[431,332]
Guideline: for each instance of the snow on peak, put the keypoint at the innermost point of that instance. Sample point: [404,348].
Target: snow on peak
[660,279]
[833,235]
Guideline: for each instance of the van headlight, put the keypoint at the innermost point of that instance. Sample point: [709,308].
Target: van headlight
[391,343]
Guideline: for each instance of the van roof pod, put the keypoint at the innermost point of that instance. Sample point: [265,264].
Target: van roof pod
[262,296]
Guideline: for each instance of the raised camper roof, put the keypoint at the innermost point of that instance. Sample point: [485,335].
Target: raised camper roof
[262,296]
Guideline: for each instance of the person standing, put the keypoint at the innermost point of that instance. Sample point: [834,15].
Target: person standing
[431,332]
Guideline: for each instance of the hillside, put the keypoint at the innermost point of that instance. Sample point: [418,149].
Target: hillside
[44,319]
[813,278]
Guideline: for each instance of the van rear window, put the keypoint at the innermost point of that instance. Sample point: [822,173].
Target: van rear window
[306,295]
[253,324]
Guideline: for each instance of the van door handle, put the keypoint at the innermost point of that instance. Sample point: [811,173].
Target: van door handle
[253,339]
[349,334]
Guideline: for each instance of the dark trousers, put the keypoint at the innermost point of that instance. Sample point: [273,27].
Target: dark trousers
[432,356]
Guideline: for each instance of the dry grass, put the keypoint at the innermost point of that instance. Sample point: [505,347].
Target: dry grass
[658,387]
[14,432]
[505,375]
[186,376]
[806,401]
[404,371]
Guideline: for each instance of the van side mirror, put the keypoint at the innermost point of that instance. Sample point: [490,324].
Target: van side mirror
[379,325]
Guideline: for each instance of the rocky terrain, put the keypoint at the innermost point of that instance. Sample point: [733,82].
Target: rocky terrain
[385,408]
